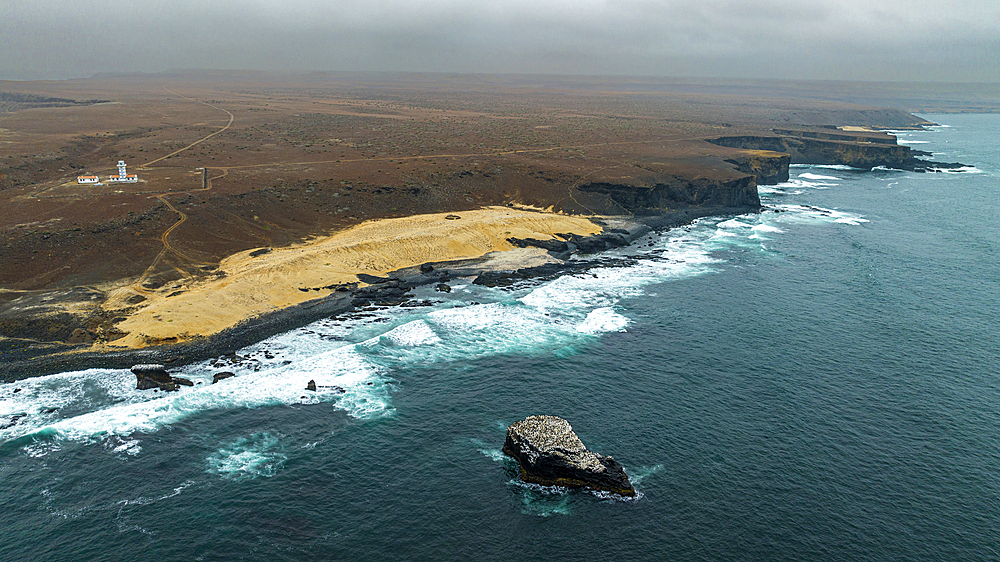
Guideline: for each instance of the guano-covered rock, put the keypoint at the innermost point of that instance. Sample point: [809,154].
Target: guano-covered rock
[549,453]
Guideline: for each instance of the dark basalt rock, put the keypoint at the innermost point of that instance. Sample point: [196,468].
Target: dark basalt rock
[598,243]
[11,421]
[538,272]
[388,292]
[260,252]
[669,192]
[153,376]
[549,453]
[222,376]
[371,279]
[557,246]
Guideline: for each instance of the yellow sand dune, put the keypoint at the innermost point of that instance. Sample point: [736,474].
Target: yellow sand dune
[255,285]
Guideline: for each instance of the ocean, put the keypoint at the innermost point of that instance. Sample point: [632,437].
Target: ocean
[819,381]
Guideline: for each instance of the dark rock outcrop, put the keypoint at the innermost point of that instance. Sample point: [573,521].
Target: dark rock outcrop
[675,192]
[386,292]
[538,272]
[153,376]
[11,421]
[575,243]
[150,376]
[549,453]
[222,376]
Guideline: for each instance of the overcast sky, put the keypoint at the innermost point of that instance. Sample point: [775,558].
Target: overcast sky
[946,40]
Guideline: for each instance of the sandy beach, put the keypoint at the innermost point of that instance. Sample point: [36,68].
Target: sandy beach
[251,283]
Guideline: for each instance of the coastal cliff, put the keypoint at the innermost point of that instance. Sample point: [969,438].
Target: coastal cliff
[675,192]
[864,150]
[769,168]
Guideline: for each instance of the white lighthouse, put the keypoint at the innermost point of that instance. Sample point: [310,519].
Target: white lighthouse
[122,176]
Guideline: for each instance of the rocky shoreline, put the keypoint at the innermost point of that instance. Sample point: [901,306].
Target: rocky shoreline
[39,359]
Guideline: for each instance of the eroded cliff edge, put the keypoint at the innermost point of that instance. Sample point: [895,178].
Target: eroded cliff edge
[861,149]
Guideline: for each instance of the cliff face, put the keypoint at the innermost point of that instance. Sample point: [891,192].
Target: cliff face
[854,154]
[669,193]
[819,147]
[768,167]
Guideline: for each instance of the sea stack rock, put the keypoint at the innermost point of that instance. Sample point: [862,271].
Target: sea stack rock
[153,376]
[550,454]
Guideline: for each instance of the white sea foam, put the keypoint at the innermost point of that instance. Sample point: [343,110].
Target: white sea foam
[825,166]
[248,458]
[805,214]
[811,176]
[760,231]
[542,501]
[638,475]
[31,404]
[602,320]
[799,186]
[785,189]
[364,396]
[680,257]
[413,333]
[767,228]
[732,223]
[962,170]
[495,455]
[129,447]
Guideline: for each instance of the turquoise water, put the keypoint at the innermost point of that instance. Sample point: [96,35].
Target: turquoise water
[815,382]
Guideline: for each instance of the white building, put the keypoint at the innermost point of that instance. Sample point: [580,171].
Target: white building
[88,179]
[122,177]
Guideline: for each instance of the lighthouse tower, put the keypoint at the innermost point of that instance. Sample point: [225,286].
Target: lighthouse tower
[122,176]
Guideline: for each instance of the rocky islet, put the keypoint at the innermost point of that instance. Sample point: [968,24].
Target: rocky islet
[549,453]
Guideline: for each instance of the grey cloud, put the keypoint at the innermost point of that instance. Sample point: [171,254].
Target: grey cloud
[846,39]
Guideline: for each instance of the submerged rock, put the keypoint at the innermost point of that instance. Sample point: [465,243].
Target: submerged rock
[549,453]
